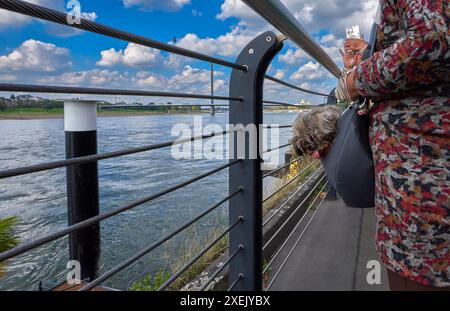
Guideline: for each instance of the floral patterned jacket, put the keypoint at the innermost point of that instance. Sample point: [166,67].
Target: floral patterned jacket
[409,79]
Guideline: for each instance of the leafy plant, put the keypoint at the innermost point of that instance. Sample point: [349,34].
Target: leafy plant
[149,283]
[7,238]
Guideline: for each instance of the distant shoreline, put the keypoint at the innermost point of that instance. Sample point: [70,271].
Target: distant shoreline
[31,116]
[60,115]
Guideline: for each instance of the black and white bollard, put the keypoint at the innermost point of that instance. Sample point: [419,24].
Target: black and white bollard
[80,125]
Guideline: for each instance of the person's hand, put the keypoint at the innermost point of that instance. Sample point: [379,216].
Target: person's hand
[350,59]
[353,46]
[351,87]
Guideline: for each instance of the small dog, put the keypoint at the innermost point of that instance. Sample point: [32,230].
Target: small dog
[314,131]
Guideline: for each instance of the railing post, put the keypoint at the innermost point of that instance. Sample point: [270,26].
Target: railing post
[213,108]
[248,85]
[80,125]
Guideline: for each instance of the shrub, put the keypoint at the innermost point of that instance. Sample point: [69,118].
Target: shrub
[7,238]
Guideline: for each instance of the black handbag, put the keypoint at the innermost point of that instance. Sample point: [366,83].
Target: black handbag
[349,163]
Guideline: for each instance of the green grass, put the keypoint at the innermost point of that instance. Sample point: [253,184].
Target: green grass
[30,111]
[59,112]
[37,112]
[150,283]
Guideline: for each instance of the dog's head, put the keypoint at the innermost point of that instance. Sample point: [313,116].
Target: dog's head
[314,130]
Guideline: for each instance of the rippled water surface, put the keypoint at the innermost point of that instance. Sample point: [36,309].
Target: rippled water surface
[39,199]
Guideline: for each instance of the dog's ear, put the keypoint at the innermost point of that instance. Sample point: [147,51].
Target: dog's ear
[296,150]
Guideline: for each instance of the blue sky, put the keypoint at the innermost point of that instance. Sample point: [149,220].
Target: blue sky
[33,51]
[157,24]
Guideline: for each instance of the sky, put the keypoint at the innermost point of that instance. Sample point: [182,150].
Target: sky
[38,52]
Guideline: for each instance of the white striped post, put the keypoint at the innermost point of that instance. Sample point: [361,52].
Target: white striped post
[80,126]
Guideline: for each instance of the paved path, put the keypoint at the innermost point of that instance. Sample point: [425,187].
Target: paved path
[332,253]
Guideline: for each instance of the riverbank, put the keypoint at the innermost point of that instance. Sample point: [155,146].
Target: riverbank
[36,114]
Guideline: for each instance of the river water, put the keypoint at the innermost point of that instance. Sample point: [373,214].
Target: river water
[39,199]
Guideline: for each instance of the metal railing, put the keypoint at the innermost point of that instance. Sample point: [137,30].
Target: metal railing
[278,15]
[245,197]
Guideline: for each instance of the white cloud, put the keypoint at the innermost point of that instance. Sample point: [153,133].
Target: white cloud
[236,8]
[133,55]
[95,77]
[279,74]
[191,77]
[168,5]
[315,15]
[144,79]
[309,71]
[10,19]
[292,57]
[327,39]
[7,18]
[36,56]
[188,80]
[66,31]
[330,44]
[229,44]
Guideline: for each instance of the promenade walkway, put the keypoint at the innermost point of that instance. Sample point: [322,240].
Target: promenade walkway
[333,252]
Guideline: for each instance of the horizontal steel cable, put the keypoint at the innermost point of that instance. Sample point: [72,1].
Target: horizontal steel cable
[96,157]
[120,267]
[96,219]
[281,168]
[233,285]
[274,213]
[160,106]
[273,79]
[294,212]
[13,87]
[289,236]
[199,255]
[285,104]
[296,242]
[55,16]
[277,148]
[195,219]
[215,274]
[272,126]
[290,181]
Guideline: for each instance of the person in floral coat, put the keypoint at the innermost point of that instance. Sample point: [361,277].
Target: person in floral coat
[408,78]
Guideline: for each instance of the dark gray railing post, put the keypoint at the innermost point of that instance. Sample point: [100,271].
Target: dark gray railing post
[213,108]
[80,125]
[256,56]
